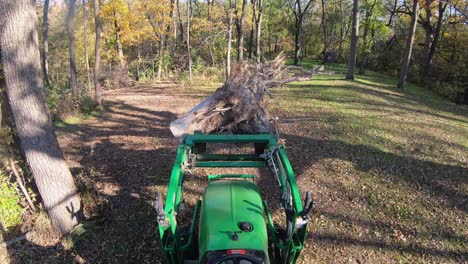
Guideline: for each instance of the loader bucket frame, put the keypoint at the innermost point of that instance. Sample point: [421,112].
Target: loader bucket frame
[281,249]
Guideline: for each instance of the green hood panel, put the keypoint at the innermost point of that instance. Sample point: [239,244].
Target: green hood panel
[225,205]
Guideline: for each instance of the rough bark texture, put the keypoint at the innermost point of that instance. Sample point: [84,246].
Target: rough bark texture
[324,31]
[70,22]
[240,31]
[354,42]
[181,26]
[163,42]
[365,47]
[259,30]
[431,46]
[409,45]
[97,22]
[229,41]
[299,12]
[85,43]
[22,72]
[251,39]
[189,52]
[297,34]
[45,42]
[122,63]
[238,106]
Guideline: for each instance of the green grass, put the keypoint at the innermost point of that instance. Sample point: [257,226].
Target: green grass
[405,159]
[388,167]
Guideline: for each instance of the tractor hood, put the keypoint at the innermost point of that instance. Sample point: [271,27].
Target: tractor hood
[232,218]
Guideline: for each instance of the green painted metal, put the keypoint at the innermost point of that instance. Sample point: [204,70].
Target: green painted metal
[227,176]
[228,157]
[223,138]
[169,234]
[189,245]
[231,164]
[292,180]
[226,204]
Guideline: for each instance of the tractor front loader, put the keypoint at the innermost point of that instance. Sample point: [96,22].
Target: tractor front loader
[231,223]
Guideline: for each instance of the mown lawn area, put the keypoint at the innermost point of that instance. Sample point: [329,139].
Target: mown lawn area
[388,168]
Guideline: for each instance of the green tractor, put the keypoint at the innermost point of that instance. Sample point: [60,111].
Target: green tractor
[232,223]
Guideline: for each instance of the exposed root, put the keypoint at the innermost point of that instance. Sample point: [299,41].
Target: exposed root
[238,107]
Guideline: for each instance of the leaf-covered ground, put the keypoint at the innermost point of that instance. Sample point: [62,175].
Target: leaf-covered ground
[388,169]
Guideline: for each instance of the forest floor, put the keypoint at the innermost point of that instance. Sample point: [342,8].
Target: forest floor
[388,169]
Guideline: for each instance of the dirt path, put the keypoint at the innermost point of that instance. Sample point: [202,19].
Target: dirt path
[121,157]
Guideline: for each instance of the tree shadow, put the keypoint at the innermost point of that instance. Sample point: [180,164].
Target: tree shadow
[117,178]
[440,182]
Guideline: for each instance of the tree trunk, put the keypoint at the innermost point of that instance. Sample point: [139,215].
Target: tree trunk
[97,54]
[269,30]
[240,31]
[409,46]
[324,31]
[45,43]
[297,35]
[189,7]
[85,43]
[298,18]
[22,73]
[427,67]
[163,38]
[210,49]
[342,31]
[138,63]
[259,30]
[228,55]
[70,22]
[160,55]
[119,42]
[354,42]
[365,49]
[181,26]
[251,40]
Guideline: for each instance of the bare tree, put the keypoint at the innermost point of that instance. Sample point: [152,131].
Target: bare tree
[324,30]
[181,26]
[229,41]
[252,29]
[354,42]
[189,55]
[25,91]
[258,25]
[210,6]
[365,44]
[70,23]
[409,45]
[299,8]
[45,42]
[432,37]
[97,60]
[162,39]
[240,31]
[85,43]
[122,63]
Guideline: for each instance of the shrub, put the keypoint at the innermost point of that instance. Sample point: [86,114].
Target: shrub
[87,105]
[11,211]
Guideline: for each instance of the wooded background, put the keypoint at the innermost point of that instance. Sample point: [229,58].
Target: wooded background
[153,40]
